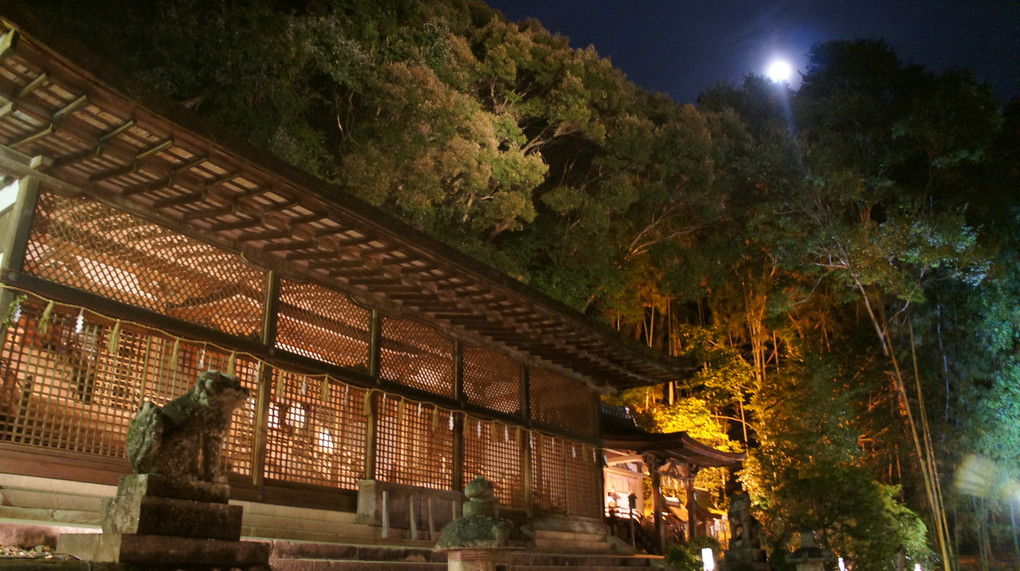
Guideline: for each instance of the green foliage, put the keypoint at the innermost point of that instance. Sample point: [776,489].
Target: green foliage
[693,416]
[680,558]
[13,310]
[806,475]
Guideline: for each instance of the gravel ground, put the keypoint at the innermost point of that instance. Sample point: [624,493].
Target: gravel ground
[40,557]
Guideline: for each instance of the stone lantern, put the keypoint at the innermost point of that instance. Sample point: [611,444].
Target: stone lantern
[809,557]
[480,540]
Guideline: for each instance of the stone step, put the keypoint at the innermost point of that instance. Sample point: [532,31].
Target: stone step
[51,516]
[356,551]
[348,565]
[587,561]
[572,546]
[358,565]
[262,524]
[570,542]
[50,500]
[557,535]
[313,556]
[587,567]
[296,512]
[63,487]
[320,565]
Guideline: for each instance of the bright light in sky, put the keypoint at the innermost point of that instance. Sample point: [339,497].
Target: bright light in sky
[779,71]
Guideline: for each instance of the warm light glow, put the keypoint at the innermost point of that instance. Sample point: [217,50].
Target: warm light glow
[8,195]
[707,558]
[325,441]
[779,71]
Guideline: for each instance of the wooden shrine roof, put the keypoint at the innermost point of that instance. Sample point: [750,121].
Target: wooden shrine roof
[82,126]
[620,432]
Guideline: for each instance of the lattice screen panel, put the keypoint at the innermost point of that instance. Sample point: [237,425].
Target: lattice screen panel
[583,470]
[549,493]
[559,401]
[492,380]
[493,450]
[90,246]
[413,445]
[323,324]
[316,435]
[66,386]
[417,355]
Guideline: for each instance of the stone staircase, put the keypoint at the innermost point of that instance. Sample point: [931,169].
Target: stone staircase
[35,511]
[308,556]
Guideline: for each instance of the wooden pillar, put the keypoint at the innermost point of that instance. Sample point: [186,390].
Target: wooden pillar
[16,223]
[264,388]
[654,463]
[692,508]
[375,344]
[374,368]
[371,434]
[458,451]
[458,425]
[526,446]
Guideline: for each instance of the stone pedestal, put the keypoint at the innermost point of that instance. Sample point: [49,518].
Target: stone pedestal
[476,560]
[156,522]
[809,557]
[745,559]
[481,540]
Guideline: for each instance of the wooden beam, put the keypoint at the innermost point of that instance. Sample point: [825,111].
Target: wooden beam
[7,44]
[31,86]
[29,137]
[20,164]
[309,256]
[164,144]
[70,107]
[283,246]
[376,282]
[179,200]
[263,235]
[117,130]
[238,224]
[207,213]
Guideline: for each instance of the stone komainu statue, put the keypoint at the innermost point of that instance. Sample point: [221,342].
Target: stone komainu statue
[184,439]
[743,527]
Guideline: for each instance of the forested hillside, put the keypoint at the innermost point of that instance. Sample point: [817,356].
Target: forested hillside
[844,259]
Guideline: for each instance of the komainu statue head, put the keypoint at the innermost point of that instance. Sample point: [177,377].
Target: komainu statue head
[184,439]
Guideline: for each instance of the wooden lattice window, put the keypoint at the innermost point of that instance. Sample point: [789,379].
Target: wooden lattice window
[322,324]
[492,380]
[93,247]
[583,473]
[414,444]
[417,355]
[549,493]
[316,432]
[562,402]
[493,450]
[68,386]
[566,477]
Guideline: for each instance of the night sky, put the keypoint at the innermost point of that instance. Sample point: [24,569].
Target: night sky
[682,47]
